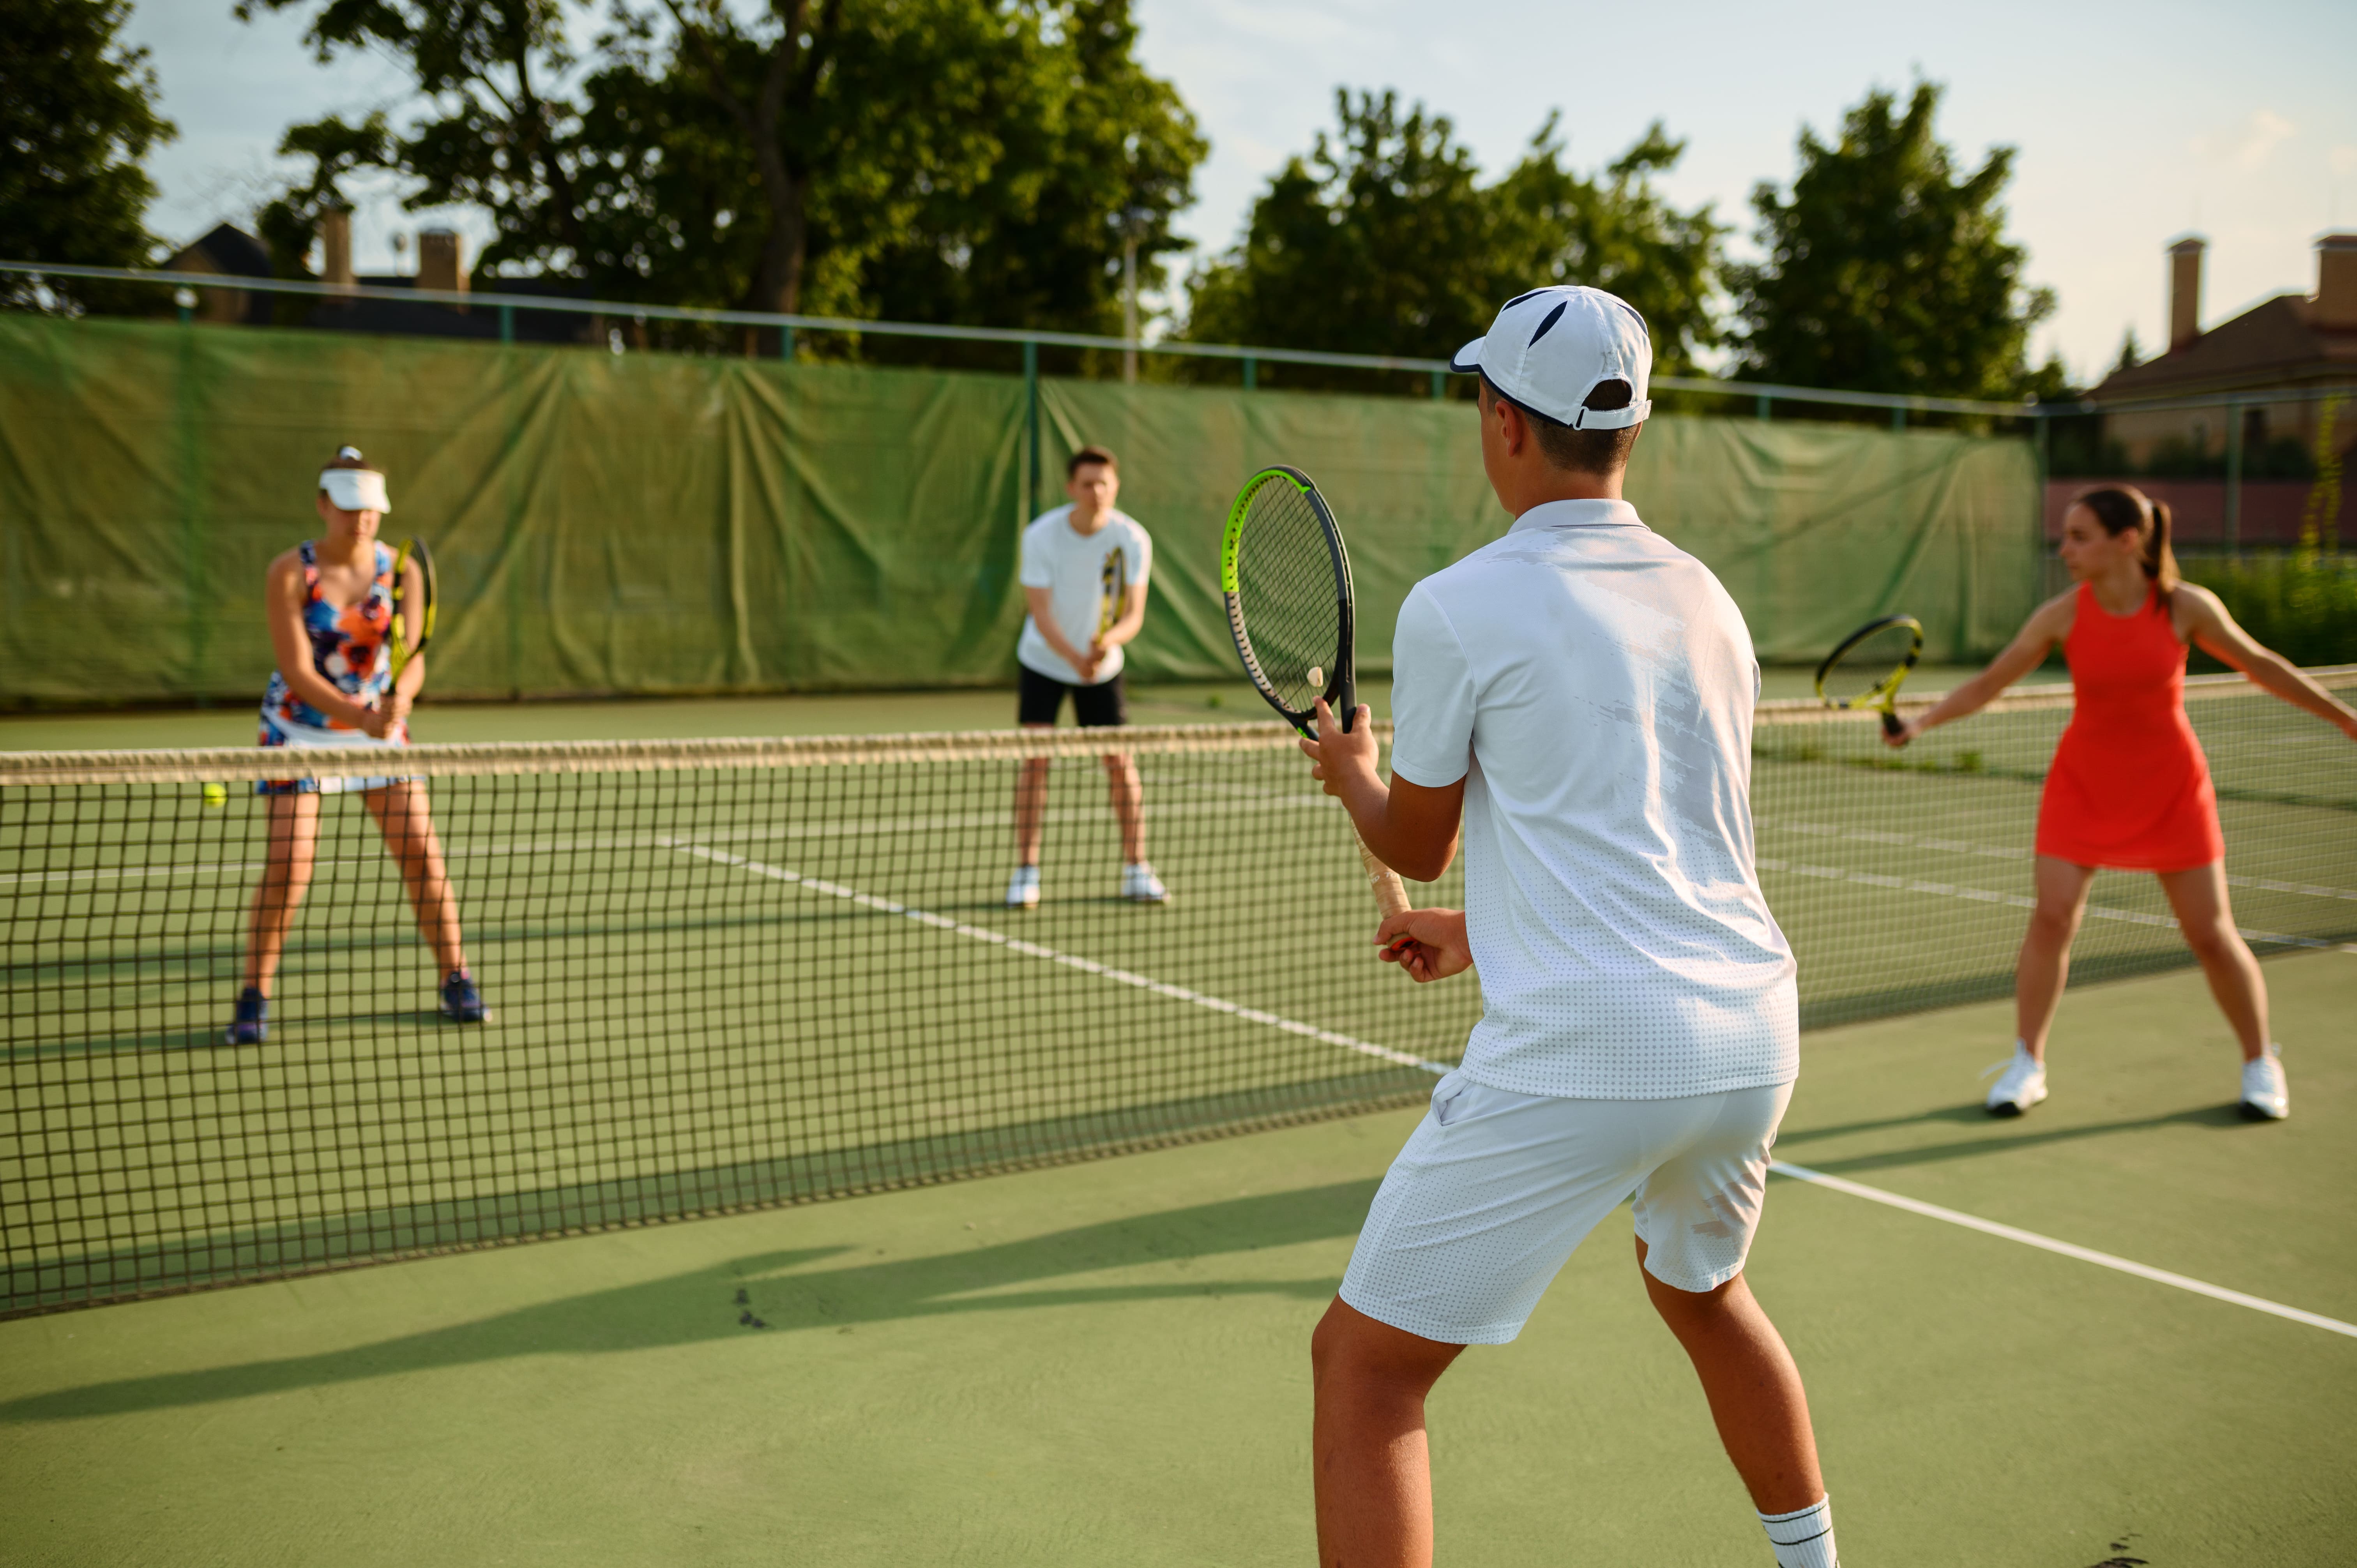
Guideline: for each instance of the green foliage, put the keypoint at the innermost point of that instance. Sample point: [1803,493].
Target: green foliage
[948,160]
[1383,239]
[1887,270]
[2303,605]
[77,119]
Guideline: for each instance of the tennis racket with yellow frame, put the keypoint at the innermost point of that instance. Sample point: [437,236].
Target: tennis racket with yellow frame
[1870,665]
[407,605]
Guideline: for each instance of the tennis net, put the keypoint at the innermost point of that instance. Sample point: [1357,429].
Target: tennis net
[727,974]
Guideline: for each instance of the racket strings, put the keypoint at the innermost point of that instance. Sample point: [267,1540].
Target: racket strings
[1864,668]
[1288,594]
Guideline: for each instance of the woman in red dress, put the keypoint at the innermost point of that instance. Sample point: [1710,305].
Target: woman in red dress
[2129,787]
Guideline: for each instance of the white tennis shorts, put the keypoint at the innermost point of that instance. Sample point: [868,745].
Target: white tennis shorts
[1494,1190]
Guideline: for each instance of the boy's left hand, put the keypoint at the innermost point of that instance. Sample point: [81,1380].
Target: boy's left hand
[1339,756]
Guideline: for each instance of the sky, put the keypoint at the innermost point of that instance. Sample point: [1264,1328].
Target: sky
[2134,124]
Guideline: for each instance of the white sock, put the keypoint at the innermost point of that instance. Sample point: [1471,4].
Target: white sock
[1803,1539]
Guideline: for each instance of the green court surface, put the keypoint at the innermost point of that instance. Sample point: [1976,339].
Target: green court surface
[1105,1362]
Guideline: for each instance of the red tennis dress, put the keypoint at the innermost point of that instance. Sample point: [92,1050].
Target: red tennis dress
[2129,787]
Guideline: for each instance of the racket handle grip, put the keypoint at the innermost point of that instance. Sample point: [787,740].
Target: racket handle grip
[1891,723]
[1391,895]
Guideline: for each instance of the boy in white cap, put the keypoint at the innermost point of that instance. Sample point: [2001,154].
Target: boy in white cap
[1578,696]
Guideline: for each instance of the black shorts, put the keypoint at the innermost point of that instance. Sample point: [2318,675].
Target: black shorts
[1039,698]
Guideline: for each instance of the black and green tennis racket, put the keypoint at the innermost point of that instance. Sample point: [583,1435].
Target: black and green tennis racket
[1287,579]
[404,650]
[1868,669]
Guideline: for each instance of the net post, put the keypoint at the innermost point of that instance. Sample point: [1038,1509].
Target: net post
[1251,373]
[2232,526]
[1031,426]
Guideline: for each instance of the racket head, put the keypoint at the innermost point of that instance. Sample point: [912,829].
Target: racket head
[404,650]
[1868,666]
[1286,580]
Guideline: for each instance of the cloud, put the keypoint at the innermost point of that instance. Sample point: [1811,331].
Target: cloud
[2249,144]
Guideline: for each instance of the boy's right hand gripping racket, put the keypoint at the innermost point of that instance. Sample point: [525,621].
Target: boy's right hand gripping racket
[1866,670]
[1288,583]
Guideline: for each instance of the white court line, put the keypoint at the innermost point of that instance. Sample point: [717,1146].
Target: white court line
[2023,901]
[2068,1250]
[1384,1053]
[1069,960]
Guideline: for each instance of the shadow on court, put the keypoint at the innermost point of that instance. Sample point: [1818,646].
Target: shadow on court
[766,1292]
[2002,1135]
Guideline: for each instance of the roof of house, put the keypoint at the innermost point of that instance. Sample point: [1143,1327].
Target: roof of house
[2269,344]
[232,252]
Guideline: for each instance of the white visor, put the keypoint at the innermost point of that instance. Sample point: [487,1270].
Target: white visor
[355,489]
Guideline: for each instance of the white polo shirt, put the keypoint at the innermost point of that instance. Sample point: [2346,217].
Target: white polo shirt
[1593,685]
[1087,576]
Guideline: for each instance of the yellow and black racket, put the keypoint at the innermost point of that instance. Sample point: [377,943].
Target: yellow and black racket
[404,649]
[1113,588]
[1287,579]
[1868,669]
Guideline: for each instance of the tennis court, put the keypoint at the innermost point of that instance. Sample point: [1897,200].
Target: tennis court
[1104,1361]
[729,977]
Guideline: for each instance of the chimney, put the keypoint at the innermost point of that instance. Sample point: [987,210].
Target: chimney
[437,261]
[2185,291]
[2336,282]
[336,248]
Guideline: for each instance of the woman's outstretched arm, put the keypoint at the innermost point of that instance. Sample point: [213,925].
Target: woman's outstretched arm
[2209,623]
[2048,624]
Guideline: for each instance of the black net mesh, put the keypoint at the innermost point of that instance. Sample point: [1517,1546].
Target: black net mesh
[725,974]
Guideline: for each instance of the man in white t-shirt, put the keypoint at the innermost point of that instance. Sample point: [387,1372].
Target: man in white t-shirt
[1577,695]
[1083,574]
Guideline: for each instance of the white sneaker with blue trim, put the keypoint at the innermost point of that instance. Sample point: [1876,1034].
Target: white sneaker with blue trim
[2266,1097]
[1023,888]
[1140,886]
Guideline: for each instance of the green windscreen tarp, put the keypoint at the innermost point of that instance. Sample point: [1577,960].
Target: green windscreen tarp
[646,523]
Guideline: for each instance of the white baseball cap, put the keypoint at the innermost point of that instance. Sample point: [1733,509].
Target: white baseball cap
[1551,348]
[354,489]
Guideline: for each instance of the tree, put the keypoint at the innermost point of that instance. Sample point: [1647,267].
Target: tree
[1383,240]
[929,157]
[1885,270]
[76,120]
[499,133]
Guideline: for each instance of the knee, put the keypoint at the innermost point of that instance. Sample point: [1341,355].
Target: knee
[2054,924]
[2211,939]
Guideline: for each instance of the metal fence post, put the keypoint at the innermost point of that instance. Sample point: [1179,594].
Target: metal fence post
[1251,373]
[785,341]
[2233,526]
[1898,418]
[507,323]
[1759,405]
[1438,385]
[2042,452]
[1031,426]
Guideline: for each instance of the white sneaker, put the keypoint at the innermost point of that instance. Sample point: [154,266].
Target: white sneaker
[1023,888]
[2022,1086]
[1140,886]
[2266,1096]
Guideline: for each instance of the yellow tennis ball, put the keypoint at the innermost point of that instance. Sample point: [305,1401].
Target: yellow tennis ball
[216,794]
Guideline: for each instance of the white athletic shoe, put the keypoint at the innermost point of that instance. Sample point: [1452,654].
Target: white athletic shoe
[1023,888]
[2022,1086]
[2266,1096]
[1140,886]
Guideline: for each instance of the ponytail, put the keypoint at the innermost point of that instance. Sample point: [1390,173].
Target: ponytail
[2119,508]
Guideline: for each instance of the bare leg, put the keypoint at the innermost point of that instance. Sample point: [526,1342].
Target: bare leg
[1368,1455]
[1754,1390]
[1030,804]
[1128,806]
[2045,962]
[286,877]
[2207,918]
[402,816]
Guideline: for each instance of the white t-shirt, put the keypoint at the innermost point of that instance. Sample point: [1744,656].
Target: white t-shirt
[1087,576]
[1593,685]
